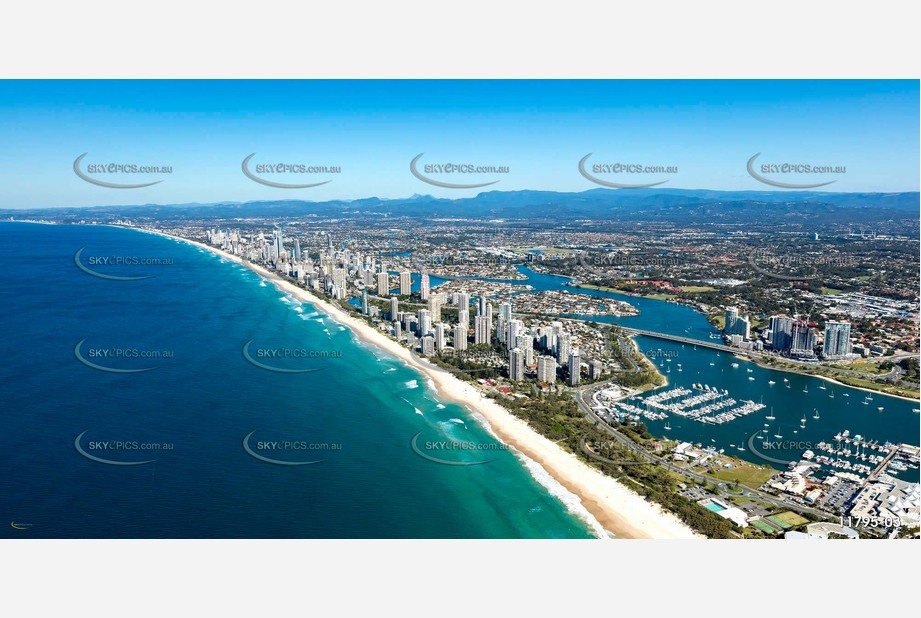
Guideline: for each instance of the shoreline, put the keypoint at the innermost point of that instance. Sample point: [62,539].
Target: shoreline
[822,377]
[620,511]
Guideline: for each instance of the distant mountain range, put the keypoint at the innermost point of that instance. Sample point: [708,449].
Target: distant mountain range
[672,205]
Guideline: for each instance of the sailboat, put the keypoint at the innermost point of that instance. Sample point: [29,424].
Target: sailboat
[831,395]
[822,387]
[667,426]
[802,423]
[770,417]
[816,415]
[806,389]
[741,446]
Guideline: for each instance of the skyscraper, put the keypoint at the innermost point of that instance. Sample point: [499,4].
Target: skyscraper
[406,283]
[563,345]
[575,367]
[383,283]
[515,328]
[546,369]
[505,311]
[837,340]
[481,330]
[460,337]
[424,285]
[781,332]
[425,322]
[803,339]
[394,307]
[516,365]
[440,336]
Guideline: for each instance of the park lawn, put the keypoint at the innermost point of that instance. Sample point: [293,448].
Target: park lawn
[744,473]
[661,296]
[697,288]
[831,291]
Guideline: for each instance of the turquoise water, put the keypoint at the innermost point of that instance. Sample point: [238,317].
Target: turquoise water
[206,398]
[712,506]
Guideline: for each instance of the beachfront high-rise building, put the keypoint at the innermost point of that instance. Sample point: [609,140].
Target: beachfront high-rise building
[460,337]
[397,329]
[525,342]
[436,301]
[406,283]
[383,283]
[516,365]
[481,330]
[837,340]
[364,302]
[515,328]
[440,336]
[424,324]
[428,345]
[424,285]
[462,300]
[502,330]
[563,346]
[575,367]
[546,369]
[394,307]
[463,316]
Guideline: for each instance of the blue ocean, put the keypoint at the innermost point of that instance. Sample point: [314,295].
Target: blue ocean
[129,410]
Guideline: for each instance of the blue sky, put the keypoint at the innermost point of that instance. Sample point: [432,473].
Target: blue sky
[372,129]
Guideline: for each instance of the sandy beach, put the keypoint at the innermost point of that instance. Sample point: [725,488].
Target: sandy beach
[621,512]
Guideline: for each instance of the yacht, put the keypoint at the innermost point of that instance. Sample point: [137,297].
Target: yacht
[816,415]
[750,378]
[667,426]
[770,417]
[822,387]
[735,365]
[880,408]
[772,382]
